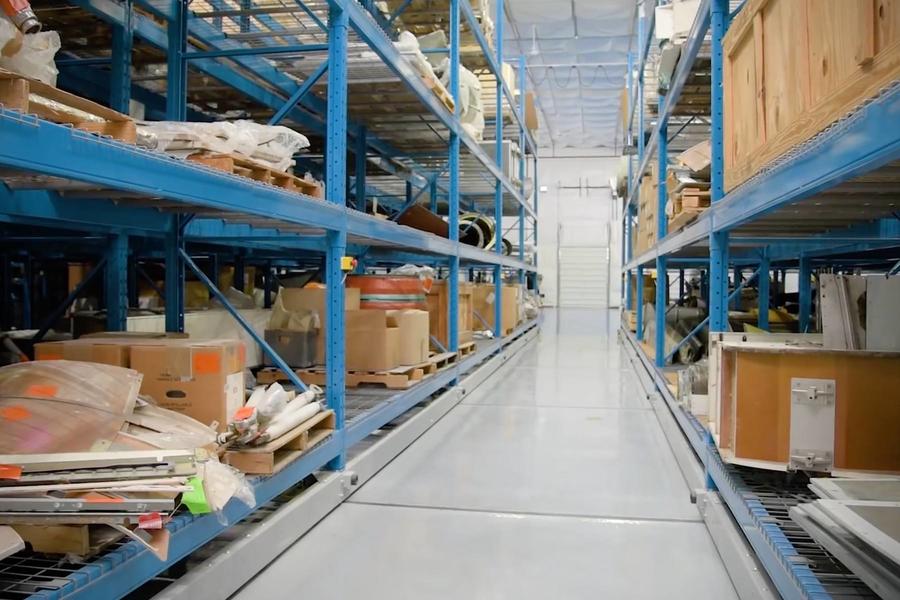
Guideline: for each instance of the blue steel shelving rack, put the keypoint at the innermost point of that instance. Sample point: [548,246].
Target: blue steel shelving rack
[173,206]
[864,142]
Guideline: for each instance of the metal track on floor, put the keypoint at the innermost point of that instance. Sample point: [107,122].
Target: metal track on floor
[759,502]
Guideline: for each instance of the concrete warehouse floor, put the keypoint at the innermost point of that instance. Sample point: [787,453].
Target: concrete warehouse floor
[552,480]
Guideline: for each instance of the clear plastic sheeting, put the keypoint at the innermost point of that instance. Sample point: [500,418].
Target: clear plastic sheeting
[63,406]
[31,55]
[270,146]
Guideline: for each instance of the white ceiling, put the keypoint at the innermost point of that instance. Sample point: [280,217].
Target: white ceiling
[576,52]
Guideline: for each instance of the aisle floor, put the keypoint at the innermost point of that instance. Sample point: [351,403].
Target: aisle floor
[553,479]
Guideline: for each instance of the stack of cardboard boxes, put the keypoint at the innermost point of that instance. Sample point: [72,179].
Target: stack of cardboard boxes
[203,379]
[484,305]
[376,340]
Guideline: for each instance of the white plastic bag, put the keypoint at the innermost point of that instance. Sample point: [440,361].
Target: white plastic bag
[36,57]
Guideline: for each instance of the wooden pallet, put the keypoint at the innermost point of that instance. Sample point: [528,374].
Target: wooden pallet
[443,359]
[466,349]
[79,540]
[245,167]
[401,378]
[35,97]
[684,217]
[277,454]
[441,92]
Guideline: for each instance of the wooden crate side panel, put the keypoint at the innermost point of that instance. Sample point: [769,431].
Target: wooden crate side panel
[853,53]
[887,29]
[785,64]
[840,36]
[867,414]
[867,411]
[762,410]
[742,120]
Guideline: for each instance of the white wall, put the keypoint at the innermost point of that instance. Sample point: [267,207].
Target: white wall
[578,198]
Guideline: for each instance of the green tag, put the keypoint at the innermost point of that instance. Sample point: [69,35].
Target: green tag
[195,499]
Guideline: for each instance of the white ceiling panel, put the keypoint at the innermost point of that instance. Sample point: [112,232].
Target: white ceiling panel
[576,52]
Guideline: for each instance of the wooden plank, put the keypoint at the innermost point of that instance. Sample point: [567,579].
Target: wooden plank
[275,455]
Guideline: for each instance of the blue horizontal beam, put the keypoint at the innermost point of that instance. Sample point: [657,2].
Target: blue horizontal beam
[35,145]
[124,569]
[865,141]
[257,51]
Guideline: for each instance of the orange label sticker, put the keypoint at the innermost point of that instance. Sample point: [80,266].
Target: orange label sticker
[14,413]
[206,363]
[244,412]
[98,498]
[10,472]
[49,356]
[242,354]
[41,390]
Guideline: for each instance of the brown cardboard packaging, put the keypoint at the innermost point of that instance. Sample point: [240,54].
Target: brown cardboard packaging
[99,350]
[203,379]
[439,309]
[413,342]
[483,303]
[313,299]
[372,341]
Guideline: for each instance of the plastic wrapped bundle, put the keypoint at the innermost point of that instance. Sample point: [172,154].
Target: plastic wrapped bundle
[31,55]
[270,146]
[63,406]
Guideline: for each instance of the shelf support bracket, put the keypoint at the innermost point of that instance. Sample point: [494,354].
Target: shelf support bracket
[115,286]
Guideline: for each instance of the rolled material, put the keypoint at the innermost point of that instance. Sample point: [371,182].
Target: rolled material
[389,292]
[288,420]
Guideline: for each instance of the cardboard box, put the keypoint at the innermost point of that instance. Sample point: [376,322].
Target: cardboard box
[439,309]
[372,341]
[483,303]
[114,352]
[413,342]
[296,348]
[313,299]
[203,379]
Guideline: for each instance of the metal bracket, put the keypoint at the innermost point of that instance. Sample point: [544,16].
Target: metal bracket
[812,424]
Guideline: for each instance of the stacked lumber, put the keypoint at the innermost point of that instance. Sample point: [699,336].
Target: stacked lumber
[648,200]
[687,186]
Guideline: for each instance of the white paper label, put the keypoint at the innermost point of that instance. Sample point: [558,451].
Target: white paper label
[234,392]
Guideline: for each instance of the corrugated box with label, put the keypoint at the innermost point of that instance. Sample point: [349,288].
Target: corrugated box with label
[201,379]
[372,341]
[413,342]
[313,300]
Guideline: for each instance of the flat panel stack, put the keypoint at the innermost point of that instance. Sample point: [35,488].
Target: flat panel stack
[687,185]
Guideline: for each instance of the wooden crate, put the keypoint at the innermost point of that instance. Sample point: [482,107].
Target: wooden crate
[793,67]
[245,167]
[277,454]
[753,387]
[439,309]
[35,97]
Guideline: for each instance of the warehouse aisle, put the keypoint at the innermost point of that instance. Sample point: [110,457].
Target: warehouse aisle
[552,480]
